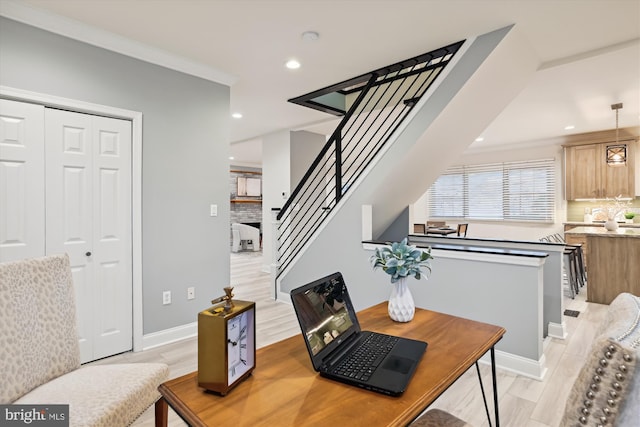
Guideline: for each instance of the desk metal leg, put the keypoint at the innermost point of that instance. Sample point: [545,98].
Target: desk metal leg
[484,397]
[495,385]
[495,389]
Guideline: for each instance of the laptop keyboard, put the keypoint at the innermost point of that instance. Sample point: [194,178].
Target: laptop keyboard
[362,362]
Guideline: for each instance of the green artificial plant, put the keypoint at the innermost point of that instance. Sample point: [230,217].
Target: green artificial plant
[399,260]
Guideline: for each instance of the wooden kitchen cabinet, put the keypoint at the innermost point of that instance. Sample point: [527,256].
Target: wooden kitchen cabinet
[588,176]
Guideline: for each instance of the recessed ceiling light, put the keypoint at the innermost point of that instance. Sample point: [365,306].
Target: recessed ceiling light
[237,115]
[292,64]
[569,127]
[231,157]
[480,139]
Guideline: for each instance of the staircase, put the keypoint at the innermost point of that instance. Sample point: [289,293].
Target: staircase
[372,107]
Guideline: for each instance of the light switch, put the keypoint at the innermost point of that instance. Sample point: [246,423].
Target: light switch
[213,210]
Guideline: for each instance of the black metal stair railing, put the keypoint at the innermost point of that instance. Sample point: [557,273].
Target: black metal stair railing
[373,106]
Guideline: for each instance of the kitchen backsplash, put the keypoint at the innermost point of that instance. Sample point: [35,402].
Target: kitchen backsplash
[576,210]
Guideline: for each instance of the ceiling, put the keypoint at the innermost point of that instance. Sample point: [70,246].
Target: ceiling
[589,52]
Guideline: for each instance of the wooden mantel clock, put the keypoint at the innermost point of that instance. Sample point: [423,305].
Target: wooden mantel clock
[226,343]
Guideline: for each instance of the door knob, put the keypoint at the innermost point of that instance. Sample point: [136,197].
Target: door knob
[88,254]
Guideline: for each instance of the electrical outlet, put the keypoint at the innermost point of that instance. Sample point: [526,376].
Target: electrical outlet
[166,297]
[191,292]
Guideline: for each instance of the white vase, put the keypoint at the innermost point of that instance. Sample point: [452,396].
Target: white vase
[611,224]
[401,306]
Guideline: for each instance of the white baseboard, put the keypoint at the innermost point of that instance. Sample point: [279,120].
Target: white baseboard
[557,330]
[284,297]
[535,369]
[169,336]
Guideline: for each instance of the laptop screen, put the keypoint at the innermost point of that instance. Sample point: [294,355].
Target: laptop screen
[325,314]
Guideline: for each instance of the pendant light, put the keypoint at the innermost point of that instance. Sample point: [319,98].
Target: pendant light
[616,154]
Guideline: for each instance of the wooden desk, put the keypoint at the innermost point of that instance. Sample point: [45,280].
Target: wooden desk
[284,390]
[441,231]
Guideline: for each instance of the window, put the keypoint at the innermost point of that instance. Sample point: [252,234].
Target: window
[517,191]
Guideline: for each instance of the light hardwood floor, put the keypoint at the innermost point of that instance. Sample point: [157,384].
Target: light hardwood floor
[523,402]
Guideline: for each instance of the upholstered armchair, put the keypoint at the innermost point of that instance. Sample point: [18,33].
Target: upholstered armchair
[244,235]
[40,354]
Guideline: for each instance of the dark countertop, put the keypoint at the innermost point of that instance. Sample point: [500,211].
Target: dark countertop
[471,249]
[414,237]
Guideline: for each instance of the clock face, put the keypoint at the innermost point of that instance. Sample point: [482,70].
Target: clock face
[240,345]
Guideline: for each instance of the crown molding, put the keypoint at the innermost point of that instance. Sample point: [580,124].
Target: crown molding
[79,31]
[634,43]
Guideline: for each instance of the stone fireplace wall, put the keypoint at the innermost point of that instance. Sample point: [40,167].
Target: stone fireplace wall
[244,209]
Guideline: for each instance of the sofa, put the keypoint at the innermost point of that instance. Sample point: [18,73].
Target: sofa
[606,391]
[244,235]
[40,353]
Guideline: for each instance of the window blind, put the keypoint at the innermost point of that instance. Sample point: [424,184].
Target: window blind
[515,191]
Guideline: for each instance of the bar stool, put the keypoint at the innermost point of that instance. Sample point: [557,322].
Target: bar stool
[568,261]
[571,270]
[582,268]
[581,271]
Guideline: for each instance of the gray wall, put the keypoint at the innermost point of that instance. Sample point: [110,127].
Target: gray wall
[304,149]
[276,179]
[511,298]
[553,307]
[185,163]
[398,228]
[286,157]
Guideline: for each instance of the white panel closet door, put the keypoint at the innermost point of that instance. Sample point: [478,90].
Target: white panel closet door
[88,216]
[21,180]
[112,249]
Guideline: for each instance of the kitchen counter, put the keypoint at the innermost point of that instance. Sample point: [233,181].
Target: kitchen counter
[612,259]
[632,232]
[599,224]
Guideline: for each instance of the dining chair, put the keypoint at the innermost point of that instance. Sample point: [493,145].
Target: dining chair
[462,230]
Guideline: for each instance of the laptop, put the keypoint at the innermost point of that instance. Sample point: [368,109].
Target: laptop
[336,343]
